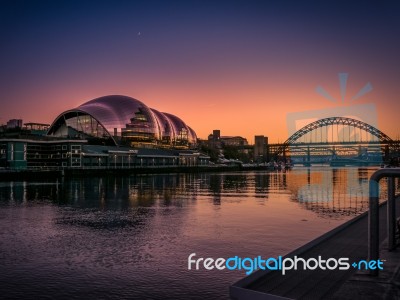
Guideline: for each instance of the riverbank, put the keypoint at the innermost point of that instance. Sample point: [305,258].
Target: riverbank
[31,174]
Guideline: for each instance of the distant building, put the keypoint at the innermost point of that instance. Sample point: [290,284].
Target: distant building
[15,128]
[261,148]
[214,139]
[37,128]
[217,141]
[14,123]
[234,141]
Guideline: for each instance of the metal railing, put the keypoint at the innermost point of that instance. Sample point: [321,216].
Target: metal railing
[373,214]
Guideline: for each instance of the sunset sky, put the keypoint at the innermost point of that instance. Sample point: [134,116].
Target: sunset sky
[237,66]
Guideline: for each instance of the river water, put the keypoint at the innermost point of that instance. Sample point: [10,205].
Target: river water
[130,237]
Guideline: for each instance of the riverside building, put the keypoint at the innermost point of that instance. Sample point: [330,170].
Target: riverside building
[107,132]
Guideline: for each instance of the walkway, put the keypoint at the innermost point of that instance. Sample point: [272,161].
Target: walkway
[349,240]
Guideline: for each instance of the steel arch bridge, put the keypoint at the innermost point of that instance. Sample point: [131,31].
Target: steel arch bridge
[382,138]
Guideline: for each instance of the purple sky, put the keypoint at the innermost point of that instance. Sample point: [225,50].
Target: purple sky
[238,66]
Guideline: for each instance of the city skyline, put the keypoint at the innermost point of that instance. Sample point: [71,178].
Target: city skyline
[235,66]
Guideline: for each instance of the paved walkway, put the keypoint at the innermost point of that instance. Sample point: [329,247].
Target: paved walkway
[385,286]
[349,242]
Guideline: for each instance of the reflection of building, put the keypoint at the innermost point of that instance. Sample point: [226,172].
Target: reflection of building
[122,120]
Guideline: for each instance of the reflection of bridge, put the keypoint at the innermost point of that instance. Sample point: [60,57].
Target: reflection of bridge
[337,141]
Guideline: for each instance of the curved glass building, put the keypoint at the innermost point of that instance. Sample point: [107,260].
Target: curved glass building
[122,120]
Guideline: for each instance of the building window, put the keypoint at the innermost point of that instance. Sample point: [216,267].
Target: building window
[75,148]
[12,152]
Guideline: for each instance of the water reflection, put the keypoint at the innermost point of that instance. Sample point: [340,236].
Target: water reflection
[118,232]
[335,193]
[328,192]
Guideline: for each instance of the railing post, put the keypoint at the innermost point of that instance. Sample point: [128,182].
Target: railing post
[373,214]
[391,214]
[373,222]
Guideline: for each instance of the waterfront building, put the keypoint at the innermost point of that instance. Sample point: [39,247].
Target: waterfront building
[70,153]
[36,153]
[123,121]
[106,132]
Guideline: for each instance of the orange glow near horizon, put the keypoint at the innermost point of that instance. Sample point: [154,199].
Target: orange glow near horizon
[241,68]
[244,109]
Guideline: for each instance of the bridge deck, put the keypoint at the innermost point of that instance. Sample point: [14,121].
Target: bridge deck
[348,240]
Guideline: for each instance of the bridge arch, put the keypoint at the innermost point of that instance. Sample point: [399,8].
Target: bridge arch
[383,138]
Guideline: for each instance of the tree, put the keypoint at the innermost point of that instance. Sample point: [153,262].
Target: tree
[211,152]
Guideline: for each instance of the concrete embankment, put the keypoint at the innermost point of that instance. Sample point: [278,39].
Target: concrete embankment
[14,175]
[349,240]
[6,175]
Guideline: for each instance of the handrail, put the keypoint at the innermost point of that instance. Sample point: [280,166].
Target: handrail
[373,213]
